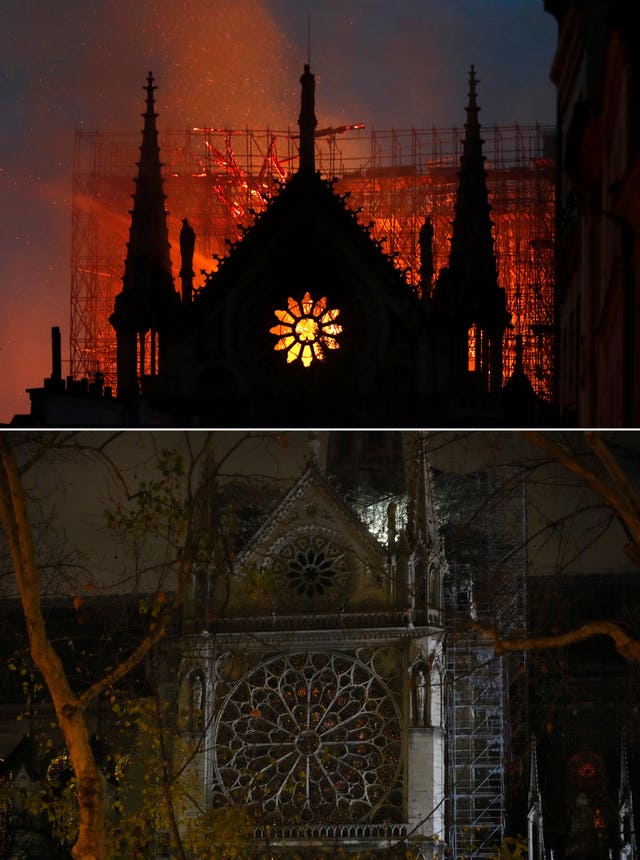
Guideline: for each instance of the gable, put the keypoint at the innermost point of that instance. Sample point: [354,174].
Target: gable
[312,555]
[305,257]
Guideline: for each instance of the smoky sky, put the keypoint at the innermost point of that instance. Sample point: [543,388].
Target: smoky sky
[81,65]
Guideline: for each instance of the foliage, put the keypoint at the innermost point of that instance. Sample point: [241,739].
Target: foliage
[149,790]
[156,786]
[512,848]
[157,507]
[160,507]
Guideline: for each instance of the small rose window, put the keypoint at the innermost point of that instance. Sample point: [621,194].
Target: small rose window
[306,329]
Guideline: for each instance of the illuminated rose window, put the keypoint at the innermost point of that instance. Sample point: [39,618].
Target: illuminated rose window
[306,329]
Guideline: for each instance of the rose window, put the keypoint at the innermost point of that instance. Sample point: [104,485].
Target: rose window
[311,737]
[306,329]
[311,569]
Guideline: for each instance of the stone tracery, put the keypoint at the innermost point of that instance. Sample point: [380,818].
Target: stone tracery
[306,737]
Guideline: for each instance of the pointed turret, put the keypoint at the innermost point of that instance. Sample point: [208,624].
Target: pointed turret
[426,563]
[467,298]
[148,299]
[534,816]
[522,406]
[626,824]
[307,121]
[421,514]
[148,260]
[206,543]
[472,256]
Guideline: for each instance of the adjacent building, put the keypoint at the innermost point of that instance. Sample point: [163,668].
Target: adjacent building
[596,72]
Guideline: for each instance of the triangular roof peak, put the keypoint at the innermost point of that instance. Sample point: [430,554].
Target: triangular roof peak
[311,488]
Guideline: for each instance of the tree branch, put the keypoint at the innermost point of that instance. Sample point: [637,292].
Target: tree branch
[13,513]
[621,496]
[625,644]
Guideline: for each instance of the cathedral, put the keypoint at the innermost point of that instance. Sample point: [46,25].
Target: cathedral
[327,720]
[341,687]
[305,322]
[332,674]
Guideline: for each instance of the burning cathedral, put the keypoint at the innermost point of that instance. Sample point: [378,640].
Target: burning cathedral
[306,321]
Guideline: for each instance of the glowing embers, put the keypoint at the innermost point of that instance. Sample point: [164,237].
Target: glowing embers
[306,329]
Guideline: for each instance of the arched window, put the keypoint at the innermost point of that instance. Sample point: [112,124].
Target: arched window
[147,353]
[473,350]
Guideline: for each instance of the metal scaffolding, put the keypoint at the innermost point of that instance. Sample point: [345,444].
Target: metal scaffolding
[219,179]
[486,709]
[476,749]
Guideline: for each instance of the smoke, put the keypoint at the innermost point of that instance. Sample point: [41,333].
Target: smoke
[74,65]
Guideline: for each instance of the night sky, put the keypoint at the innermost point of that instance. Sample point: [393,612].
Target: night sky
[78,64]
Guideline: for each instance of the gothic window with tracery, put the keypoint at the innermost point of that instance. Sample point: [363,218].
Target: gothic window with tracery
[311,571]
[306,329]
[309,737]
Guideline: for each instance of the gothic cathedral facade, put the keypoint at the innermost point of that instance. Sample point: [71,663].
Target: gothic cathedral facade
[318,694]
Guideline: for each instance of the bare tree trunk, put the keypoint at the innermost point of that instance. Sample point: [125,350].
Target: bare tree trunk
[90,844]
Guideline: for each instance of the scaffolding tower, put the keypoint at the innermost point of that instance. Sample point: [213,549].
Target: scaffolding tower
[487,725]
[220,178]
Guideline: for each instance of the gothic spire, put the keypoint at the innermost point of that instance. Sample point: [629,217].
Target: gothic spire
[534,783]
[206,542]
[625,805]
[146,308]
[472,260]
[307,121]
[468,303]
[421,514]
[148,263]
[535,823]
